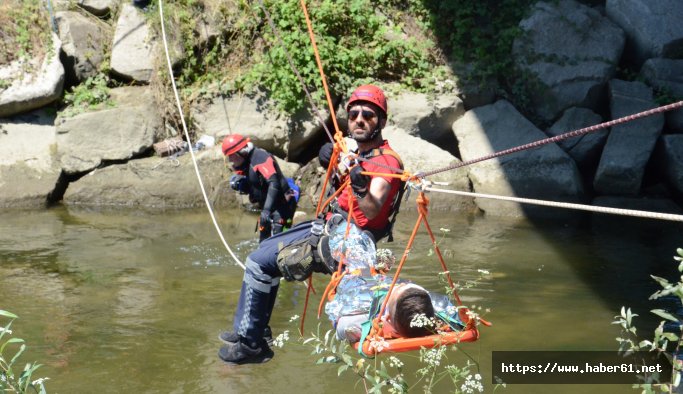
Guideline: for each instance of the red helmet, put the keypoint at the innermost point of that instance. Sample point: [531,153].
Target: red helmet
[233,143]
[371,94]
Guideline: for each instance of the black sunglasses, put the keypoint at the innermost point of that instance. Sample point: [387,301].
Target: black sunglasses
[367,114]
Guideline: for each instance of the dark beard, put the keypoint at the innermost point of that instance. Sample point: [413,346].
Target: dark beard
[373,134]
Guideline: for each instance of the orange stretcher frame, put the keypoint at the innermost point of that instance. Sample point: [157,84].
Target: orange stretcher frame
[396,345]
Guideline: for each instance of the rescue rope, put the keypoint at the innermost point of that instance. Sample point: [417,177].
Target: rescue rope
[187,136]
[295,70]
[558,138]
[337,135]
[556,204]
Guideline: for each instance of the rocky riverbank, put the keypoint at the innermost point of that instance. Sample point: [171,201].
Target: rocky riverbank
[105,156]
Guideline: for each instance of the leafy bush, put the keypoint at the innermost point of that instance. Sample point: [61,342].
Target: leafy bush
[9,380]
[665,341]
[89,94]
[478,32]
[358,41]
[25,28]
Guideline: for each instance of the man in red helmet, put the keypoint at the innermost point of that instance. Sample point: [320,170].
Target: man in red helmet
[258,175]
[295,254]
[377,195]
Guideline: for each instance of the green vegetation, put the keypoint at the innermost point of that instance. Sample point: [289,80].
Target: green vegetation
[405,42]
[91,94]
[25,28]
[10,382]
[666,342]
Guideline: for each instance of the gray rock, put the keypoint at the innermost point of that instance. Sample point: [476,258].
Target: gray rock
[423,117]
[35,89]
[156,183]
[82,45]
[666,75]
[546,172]
[87,140]
[654,28]
[132,56]
[419,155]
[670,160]
[249,116]
[629,145]
[585,149]
[28,169]
[572,50]
[100,8]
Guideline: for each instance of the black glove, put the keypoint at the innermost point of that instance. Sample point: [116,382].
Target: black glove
[264,220]
[239,182]
[359,182]
[325,154]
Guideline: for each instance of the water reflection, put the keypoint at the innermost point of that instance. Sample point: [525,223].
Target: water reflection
[133,301]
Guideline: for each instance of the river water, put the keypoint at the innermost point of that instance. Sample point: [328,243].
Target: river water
[133,301]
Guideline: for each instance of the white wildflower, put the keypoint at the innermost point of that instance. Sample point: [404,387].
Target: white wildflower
[451,310]
[280,340]
[394,362]
[378,343]
[39,381]
[472,384]
[472,315]
[432,357]
[294,318]
[6,331]
[421,320]
[445,230]
[385,259]
[483,272]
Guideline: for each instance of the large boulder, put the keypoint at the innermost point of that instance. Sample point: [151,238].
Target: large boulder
[156,183]
[546,172]
[82,45]
[132,55]
[654,28]
[666,75]
[629,145]
[670,161]
[425,117]
[419,155]
[585,149]
[87,140]
[101,8]
[249,116]
[28,170]
[41,85]
[572,51]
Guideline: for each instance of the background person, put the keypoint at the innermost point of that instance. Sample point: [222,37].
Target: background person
[258,175]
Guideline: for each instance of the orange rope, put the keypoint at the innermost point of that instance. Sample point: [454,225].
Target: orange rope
[404,177]
[330,168]
[337,135]
[303,314]
[330,290]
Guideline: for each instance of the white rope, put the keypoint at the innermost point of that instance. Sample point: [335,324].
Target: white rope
[187,136]
[582,207]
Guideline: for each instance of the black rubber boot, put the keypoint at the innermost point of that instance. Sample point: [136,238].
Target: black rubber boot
[239,353]
[229,337]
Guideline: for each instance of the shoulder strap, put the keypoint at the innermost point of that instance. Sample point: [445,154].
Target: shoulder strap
[385,151]
[377,300]
[396,204]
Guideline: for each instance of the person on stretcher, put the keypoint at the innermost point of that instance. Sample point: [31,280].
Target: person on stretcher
[410,310]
